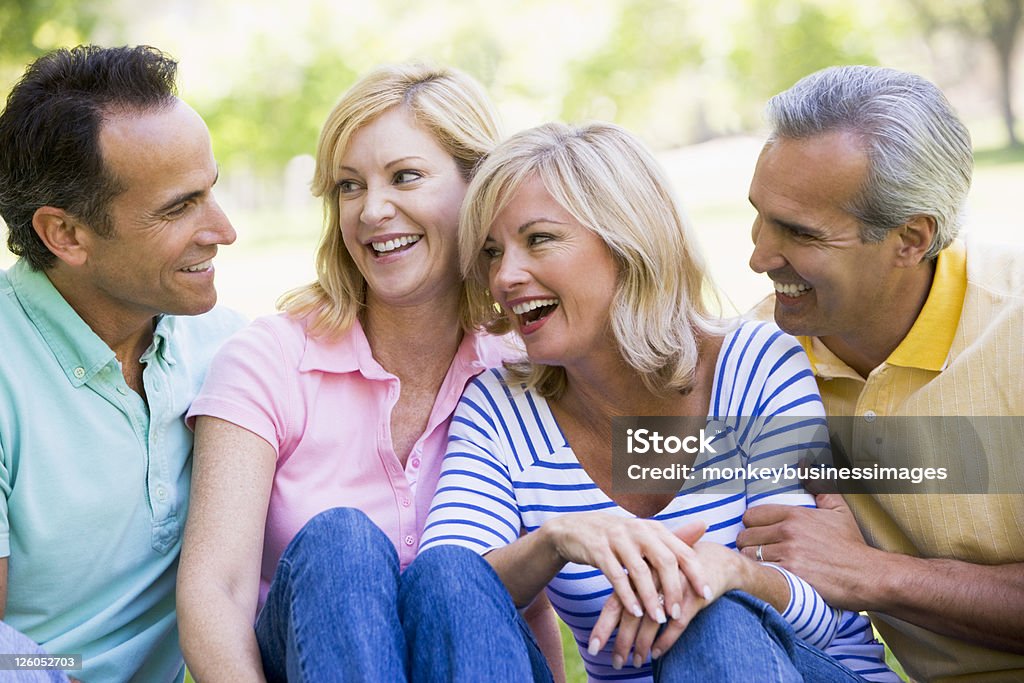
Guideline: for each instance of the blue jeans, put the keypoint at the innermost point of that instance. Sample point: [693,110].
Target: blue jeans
[741,638]
[340,609]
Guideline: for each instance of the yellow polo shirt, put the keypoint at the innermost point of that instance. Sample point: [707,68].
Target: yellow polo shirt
[964,356]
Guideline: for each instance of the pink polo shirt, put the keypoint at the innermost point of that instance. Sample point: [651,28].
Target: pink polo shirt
[325,407]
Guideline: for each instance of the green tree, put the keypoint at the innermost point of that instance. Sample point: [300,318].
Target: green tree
[779,42]
[994,22]
[650,52]
[30,28]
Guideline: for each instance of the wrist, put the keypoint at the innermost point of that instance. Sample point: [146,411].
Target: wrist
[741,574]
[882,588]
[550,536]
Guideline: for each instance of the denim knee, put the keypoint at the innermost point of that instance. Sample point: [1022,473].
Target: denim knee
[341,538]
[453,577]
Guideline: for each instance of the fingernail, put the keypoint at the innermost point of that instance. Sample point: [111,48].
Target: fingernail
[594,647]
[708,595]
[617,662]
[637,661]
[637,612]
[676,611]
[655,653]
[659,616]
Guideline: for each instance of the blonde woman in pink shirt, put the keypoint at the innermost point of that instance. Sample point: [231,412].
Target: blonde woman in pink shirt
[320,431]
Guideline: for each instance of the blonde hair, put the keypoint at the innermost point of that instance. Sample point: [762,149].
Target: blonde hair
[612,185]
[449,104]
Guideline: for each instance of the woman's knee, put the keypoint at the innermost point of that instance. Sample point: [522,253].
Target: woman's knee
[340,537]
[453,577]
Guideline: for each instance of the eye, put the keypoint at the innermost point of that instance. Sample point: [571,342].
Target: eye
[538,238]
[800,235]
[348,186]
[406,176]
[490,252]
[178,211]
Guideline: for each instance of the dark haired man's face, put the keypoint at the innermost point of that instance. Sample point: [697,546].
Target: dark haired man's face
[827,281]
[167,224]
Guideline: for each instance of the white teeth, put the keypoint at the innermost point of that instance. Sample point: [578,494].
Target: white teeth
[792,289]
[527,306]
[199,267]
[391,245]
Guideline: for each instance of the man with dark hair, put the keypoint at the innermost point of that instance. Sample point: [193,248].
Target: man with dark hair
[106,187]
[912,335]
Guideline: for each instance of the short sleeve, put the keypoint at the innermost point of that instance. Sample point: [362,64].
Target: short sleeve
[251,382]
[475,504]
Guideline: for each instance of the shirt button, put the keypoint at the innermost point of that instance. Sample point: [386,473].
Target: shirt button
[79,372]
[870,416]
[409,540]
[415,462]
[406,502]
[161,493]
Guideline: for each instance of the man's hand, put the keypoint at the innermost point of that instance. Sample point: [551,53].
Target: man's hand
[821,545]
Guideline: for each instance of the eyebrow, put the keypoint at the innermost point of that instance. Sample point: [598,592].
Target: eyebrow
[186,196]
[528,224]
[388,165]
[788,225]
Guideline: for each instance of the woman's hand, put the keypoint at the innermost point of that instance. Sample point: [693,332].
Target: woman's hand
[648,566]
[723,566]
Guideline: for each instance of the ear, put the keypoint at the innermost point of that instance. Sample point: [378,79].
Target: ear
[62,234]
[915,236]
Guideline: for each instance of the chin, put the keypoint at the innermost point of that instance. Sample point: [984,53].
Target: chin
[193,307]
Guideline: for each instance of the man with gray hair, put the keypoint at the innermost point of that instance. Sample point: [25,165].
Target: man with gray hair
[108,324]
[859,192]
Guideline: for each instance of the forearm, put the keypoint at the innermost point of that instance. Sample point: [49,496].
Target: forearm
[762,582]
[544,623]
[983,604]
[527,565]
[217,635]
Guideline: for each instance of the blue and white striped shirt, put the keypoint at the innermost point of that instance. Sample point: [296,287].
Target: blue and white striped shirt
[508,467]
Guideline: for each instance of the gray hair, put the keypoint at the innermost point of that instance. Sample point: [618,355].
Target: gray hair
[919,152]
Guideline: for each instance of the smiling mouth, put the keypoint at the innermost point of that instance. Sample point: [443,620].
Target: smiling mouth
[530,312]
[199,267]
[395,245]
[792,290]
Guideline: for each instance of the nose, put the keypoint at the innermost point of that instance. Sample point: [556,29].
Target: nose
[217,228]
[377,207]
[766,255]
[506,273]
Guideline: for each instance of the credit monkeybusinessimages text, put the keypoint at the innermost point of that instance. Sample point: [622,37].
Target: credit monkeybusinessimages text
[678,472]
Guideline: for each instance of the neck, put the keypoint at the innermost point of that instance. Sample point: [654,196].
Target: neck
[128,335]
[407,340]
[875,340]
[597,393]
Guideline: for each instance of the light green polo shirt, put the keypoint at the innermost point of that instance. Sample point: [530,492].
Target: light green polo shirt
[95,484]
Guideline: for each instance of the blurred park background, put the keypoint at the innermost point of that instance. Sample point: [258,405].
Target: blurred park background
[689,76]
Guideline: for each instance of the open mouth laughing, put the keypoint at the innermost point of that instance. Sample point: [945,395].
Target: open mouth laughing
[531,314]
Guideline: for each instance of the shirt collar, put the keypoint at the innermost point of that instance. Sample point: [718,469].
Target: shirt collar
[351,353]
[928,343]
[79,351]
